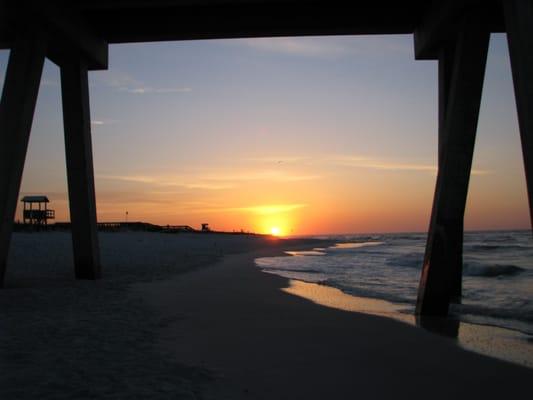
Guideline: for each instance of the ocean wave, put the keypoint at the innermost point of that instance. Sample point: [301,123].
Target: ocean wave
[491,271]
[497,274]
[304,253]
[393,297]
[411,260]
[302,270]
[354,245]
[355,238]
[490,247]
[415,237]
[523,313]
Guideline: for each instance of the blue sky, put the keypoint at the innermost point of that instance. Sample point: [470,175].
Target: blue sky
[338,133]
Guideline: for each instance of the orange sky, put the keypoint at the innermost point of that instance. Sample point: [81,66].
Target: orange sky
[310,135]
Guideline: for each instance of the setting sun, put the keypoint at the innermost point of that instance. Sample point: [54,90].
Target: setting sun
[275,231]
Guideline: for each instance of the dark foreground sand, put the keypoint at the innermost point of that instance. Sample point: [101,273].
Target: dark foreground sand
[262,343]
[191,317]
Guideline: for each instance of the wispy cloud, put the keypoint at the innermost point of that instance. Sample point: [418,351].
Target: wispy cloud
[355,161]
[166,181]
[277,159]
[311,47]
[100,122]
[261,175]
[327,47]
[207,186]
[124,82]
[380,164]
[269,209]
[117,79]
[148,89]
[376,163]
[219,179]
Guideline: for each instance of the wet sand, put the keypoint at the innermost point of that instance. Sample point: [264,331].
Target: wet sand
[492,341]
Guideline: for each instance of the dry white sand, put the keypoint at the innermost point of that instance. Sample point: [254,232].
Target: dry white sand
[168,321]
[67,339]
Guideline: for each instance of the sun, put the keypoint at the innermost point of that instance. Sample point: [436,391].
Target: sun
[275,231]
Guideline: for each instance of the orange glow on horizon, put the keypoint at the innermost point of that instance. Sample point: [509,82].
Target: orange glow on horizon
[275,231]
[248,149]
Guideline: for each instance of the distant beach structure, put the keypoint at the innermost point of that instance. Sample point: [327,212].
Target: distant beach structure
[38,215]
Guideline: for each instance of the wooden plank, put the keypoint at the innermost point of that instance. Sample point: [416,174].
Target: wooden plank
[80,175]
[442,267]
[519,25]
[17,107]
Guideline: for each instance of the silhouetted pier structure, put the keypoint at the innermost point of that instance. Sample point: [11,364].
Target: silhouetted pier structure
[76,35]
[178,228]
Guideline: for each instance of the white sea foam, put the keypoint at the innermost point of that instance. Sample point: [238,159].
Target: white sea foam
[314,252]
[349,245]
[497,278]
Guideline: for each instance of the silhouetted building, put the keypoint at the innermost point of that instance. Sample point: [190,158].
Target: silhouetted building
[38,215]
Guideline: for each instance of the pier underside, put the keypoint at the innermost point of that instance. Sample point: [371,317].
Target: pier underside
[76,36]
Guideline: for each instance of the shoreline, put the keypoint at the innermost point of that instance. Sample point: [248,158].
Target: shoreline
[193,317]
[261,342]
[490,339]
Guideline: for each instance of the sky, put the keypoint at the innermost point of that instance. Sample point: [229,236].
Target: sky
[310,135]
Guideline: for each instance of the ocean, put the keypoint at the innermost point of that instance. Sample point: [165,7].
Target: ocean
[497,277]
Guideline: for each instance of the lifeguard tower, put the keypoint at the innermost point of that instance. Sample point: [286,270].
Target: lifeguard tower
[38,215]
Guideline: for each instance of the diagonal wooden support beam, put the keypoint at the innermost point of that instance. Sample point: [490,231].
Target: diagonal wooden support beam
[446,61]
[80,175]
[446,67]
[519,25]
[442,269]
[17,107]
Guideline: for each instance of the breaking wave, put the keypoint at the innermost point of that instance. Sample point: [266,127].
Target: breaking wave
[490,271]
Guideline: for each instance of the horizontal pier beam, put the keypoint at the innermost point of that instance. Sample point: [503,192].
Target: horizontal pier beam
[444,18]
[74,33]
[67,31]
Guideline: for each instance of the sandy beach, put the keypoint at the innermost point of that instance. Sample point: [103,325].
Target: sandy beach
[191,316]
